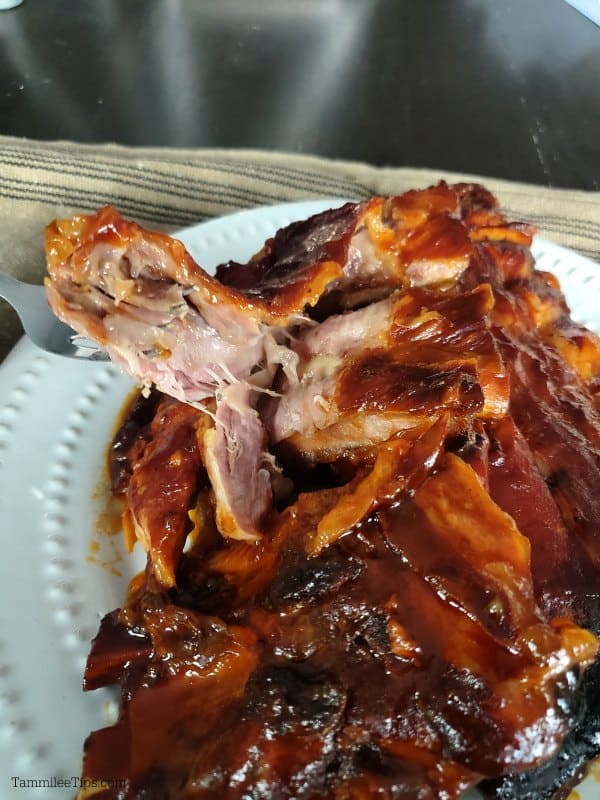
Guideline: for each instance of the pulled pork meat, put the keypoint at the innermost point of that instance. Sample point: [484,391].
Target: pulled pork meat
[365,483]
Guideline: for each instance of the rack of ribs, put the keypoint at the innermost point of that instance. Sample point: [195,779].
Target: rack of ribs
[365,478]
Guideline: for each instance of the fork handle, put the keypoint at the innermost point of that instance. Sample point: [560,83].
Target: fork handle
[16,292]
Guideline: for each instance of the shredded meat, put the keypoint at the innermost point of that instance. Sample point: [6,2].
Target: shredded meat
[380,439]
[367,375]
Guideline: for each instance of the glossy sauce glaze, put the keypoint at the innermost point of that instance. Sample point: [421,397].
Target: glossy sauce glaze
[330,675]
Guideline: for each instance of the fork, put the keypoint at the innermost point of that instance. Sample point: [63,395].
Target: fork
[40,324]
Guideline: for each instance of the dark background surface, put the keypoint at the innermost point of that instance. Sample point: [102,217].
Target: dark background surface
[509,89]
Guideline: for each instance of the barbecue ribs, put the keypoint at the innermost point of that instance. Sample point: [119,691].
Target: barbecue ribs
[366,483]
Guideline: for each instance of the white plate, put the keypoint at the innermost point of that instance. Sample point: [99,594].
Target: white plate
[589,8]
[56,419]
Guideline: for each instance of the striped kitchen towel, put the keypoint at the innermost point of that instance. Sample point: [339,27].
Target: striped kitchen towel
[170,189]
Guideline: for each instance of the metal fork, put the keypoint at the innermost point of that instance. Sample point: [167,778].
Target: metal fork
[40,324]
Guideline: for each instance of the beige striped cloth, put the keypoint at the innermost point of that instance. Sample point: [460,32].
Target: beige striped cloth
[170,189]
